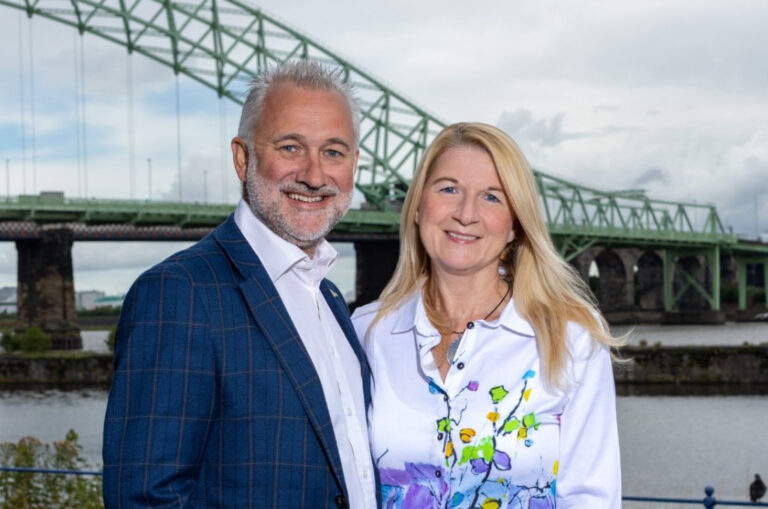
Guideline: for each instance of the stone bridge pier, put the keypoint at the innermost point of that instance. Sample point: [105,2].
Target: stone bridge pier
[655,284]
[46,290]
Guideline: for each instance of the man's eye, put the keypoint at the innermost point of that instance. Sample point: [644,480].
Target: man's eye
[291,149]
[333,153]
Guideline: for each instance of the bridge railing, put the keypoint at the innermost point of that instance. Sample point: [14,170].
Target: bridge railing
[709,501]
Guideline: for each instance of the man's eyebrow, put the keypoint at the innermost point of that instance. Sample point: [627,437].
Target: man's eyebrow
[339,141]
[290,136]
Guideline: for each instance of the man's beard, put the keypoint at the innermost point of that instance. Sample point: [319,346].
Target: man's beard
[266,196]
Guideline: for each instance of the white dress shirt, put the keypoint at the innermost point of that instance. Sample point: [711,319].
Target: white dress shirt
[491,434]
[297,278]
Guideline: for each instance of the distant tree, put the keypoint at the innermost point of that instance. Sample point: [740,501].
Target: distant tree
[34,340]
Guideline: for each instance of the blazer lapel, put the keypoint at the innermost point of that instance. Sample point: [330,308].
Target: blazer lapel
[341,312]
[270,314]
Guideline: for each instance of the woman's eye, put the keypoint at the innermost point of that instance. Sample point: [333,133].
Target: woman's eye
[448,190]
[492,198]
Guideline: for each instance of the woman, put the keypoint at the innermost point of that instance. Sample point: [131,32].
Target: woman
[492,378]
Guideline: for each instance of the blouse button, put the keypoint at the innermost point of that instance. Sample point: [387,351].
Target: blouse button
[460,365]
[438,473]
[445,397]
[470,325]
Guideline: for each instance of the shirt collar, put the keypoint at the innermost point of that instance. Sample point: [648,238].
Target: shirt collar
[277,254]
[411,314]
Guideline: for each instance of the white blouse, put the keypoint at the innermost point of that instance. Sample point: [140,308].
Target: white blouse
[491,435]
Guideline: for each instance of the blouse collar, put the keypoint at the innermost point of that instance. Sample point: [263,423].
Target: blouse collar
[413,315]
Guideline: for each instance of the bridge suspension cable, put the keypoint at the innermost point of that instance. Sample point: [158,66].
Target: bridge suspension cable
[32,104]
[83,117]
[131,130]
[22,107]
[78,139]
[178,132]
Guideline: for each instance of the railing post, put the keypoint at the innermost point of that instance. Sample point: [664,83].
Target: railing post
[709,500]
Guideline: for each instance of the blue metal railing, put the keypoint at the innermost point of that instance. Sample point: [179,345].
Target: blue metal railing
[709,501]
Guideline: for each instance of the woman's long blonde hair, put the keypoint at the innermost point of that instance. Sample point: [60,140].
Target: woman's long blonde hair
[547,291]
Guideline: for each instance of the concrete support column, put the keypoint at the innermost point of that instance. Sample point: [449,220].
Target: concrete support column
[714,265]
[669,266]
[376,261]
[742,264]
[765,280]
[46,290]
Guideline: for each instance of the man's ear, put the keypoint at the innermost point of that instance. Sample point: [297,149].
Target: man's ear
[240,157]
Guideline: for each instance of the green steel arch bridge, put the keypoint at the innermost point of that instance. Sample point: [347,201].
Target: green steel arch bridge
[222,44]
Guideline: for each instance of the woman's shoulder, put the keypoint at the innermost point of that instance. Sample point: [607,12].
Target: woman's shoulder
[395,318]
[365,314]
[581,344]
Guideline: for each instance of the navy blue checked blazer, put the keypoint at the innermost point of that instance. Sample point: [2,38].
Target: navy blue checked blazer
[215,402]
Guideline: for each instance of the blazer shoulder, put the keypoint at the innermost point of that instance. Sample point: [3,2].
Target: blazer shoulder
[197,263]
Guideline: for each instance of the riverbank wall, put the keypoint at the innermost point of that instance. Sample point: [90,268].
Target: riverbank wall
[730,367]
[693,370]
[55,371]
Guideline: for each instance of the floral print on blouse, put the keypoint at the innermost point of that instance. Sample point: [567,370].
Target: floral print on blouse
[491,435]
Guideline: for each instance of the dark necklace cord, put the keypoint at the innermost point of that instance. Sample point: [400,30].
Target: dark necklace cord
[492,311]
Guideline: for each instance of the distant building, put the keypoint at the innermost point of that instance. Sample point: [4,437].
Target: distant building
[114,301]
[86,300]
[7,299]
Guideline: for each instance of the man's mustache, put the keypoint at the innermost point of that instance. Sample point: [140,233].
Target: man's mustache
[324,191]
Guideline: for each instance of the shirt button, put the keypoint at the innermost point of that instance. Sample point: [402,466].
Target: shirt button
[349,412]
[364,473]
[470,325]
[460,365]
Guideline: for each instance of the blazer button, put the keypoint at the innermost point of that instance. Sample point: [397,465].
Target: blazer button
[341,502]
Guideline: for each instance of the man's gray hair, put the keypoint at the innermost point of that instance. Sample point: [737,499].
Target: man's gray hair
[301,73]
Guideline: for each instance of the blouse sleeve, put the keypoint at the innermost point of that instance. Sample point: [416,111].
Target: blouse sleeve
[589,473]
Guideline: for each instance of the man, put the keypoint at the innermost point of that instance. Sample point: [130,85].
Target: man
[238,379]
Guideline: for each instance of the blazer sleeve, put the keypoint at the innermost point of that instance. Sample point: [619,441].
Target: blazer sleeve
[589,467]
[162,396]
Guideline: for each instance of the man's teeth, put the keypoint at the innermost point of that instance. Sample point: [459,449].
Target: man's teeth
[306,199]
[459,236]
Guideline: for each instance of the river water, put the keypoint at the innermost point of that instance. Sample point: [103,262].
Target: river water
[671,446]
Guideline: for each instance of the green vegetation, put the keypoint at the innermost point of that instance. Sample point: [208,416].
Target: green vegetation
[34,340]
[31,341]
[110,341]
[24,490]
[9,341]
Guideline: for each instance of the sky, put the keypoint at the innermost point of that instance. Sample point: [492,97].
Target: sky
[667,96]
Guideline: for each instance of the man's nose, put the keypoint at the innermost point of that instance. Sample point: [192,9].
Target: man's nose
[311,174]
